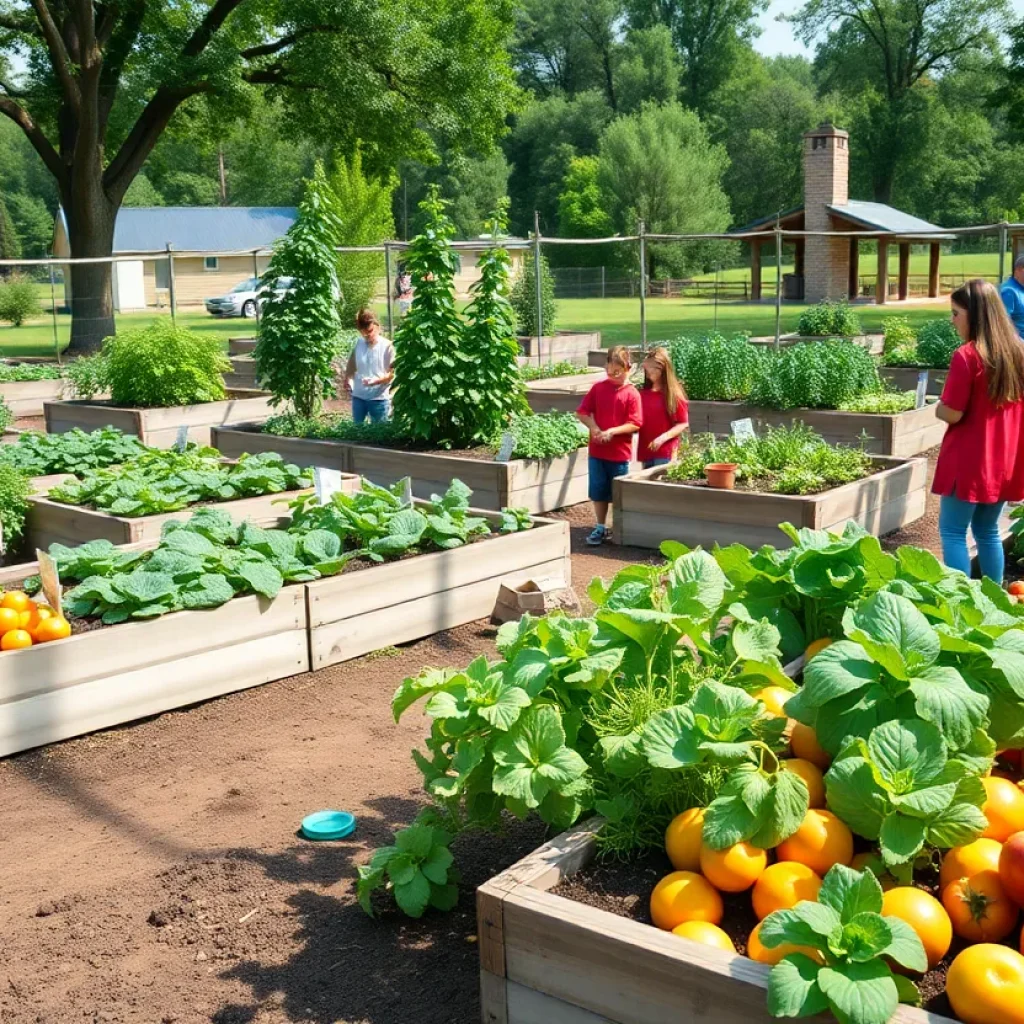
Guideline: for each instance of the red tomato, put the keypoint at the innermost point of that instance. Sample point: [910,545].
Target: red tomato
[1016,588]
[1011,867]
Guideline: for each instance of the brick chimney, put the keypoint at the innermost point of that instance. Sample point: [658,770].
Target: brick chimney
[826,183]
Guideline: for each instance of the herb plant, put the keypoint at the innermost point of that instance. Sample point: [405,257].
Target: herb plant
[829,318]
[882,402]
[545,436]
[298,332]
[937,340]
[716,368]
[559,369]
[524,298]
[163,365]
[899,342]
[816,375]
[87,376]
[166,481]
[28,371]
[75,451]
[14,492]
[852,976]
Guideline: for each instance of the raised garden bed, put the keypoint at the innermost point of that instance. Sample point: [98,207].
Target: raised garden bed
[545,958]
[648,510]
[26,397]
[158,428]
[569,345]
[560,394]
[539,485]
[872,342]
[241,346]
[598,357]
[904,378]
[243,374]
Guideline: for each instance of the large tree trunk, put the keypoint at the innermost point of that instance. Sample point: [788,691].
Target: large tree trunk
[90,218]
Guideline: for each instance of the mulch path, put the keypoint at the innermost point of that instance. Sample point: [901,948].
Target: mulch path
[153,874]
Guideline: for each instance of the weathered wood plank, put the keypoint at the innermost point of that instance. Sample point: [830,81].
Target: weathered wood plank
[493,998]
[527,1006]
[234,441]
[572,346]
[26,397]
[904,378]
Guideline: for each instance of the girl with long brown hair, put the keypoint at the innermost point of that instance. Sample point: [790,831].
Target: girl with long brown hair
[665,410]
[981,462]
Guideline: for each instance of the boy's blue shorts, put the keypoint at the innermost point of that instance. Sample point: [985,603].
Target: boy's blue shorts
[602,473]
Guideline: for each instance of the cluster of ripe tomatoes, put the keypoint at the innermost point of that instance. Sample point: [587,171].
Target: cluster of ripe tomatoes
[24,622]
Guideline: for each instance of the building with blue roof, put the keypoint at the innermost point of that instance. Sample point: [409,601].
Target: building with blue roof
[827,266]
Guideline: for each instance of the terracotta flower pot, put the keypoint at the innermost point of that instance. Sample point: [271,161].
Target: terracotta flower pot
[721,475]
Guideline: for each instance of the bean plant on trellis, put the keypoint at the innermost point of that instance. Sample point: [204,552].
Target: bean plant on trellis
[298,333]
[490,343]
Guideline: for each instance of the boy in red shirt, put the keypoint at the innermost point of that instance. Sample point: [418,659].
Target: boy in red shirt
[611,412]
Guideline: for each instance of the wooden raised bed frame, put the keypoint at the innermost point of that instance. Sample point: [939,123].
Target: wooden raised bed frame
[545,959]
[158,428]
[904,378]
[26,397]
[648,510]
[561,394]
[107,677]
[569,346]
[539,485]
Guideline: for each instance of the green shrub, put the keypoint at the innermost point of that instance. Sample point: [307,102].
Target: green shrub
[14,492]
[549,370]
[829,318]
[716,368]
[897,333]
[816,375]
[29,371]
[87,376]
[18,301]
[524,298]
[163,365]
[298,335]
[546,436]
[937,340]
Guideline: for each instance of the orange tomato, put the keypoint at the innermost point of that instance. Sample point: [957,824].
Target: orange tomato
[1016,588]
[782,886]
[706,933]
[806,746]
[979,908]
[816,647]
[873,862]
[821,842]
[683,839]
[811,775]
[774,699]
[9,619]
[16,599]
[926,915]
[1004,808]
[15,640]
[967,861]
[734,869]
[763,955]
[685,896]
[1011,867]
[985,985]
[53,628]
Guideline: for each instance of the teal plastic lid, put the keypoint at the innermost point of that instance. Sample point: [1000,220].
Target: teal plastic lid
[327,825]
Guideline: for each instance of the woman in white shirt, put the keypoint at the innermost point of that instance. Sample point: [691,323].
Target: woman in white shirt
[368,374]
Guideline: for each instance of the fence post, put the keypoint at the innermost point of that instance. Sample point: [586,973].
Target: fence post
[387,284]
[256,274]
[537,280]
[1002,250]
[778,284]
[53,312]
[643,288]
[170,283]
[602,280]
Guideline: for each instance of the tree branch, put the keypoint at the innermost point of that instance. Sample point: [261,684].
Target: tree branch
[106,22]
[215,18]
[58,53]
[120,37]
[276,75]
[40,143]
[23,23]
[268,49]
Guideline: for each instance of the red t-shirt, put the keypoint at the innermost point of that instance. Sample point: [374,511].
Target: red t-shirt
[982,456]
[656,422]
[611,406]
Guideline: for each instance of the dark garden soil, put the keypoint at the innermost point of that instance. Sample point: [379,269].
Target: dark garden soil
[153,874]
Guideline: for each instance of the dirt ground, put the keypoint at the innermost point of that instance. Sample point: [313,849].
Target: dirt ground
[153,874]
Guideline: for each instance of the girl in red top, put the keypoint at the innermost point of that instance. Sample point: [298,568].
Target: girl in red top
[665,410]
[981,462]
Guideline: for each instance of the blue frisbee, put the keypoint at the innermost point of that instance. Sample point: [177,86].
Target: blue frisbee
[326,825]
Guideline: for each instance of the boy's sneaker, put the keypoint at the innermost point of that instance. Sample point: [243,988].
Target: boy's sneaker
[598,535]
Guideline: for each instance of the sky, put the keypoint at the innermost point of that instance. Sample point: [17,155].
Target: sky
[777,37]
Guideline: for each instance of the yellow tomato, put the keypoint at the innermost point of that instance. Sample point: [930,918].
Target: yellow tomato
[1004,808]
[782,886]
[811,775]
[15,640]
[683,839]
[926,915]
[967,861]
[734,869]
[979,908]
[806,746]
[821,842]
[16,599]
[706,933]
[774,699]
[985,985]
[685,896]
[816,647]
[763,955]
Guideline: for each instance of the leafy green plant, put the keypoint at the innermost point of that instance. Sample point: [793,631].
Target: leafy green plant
[298,333]
[715,368]
[855,943]
[14,492]
[829,318]
[782,460]
[6,416]
[166,481]
[937,340]
[524,298]
[545,436]
[493,386]
[87,376]
[18,300]
[559,369]
[816,375]
[883,402]
[897,333]
[901,788]
[28,372]
[418,870]
[75,451]
[163,365]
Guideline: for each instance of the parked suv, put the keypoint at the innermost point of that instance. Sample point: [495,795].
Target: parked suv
[242,299]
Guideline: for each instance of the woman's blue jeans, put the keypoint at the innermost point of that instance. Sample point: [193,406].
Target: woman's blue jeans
[954,518]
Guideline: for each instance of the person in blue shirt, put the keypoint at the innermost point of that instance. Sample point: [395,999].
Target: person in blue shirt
[1012,293]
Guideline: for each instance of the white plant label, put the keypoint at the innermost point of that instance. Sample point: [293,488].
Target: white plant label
[407,491]
[49,579]
[326,483]
[508,443]
[743,430]
[922,388]
[181,440]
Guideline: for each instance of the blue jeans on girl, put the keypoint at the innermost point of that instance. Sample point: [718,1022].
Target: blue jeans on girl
[954,518]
